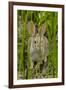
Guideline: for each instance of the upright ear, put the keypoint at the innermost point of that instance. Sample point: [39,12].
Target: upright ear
[31,28]
[43,29]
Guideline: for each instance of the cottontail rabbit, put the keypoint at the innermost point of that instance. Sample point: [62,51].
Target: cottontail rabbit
[38,43]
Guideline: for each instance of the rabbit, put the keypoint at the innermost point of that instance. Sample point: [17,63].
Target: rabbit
[38,43]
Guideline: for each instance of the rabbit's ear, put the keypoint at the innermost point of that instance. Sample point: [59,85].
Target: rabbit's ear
[31,28]
[43,29]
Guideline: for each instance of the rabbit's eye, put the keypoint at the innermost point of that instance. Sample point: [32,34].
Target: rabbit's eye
[34,41]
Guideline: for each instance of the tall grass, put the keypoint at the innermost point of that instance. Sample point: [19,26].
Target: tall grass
[23,50]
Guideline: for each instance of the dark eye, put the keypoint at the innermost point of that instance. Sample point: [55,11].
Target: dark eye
[34,41]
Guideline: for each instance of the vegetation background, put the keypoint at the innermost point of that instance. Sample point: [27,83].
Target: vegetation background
[38,17]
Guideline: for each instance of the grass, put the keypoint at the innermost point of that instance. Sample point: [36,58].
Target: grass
[23,50]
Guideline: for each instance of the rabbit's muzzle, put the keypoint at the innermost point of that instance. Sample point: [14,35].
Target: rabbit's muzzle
[35,54]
